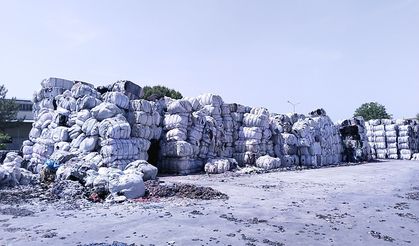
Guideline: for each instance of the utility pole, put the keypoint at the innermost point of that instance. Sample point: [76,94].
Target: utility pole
[293,105]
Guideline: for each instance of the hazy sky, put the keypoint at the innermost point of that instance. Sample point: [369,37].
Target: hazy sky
[331,54]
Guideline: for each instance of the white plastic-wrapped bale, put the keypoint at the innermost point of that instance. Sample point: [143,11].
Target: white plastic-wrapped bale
[117,98]
[128,88]
[12,174]
[371,139]
[379,135]
[220,165]
[254,138]
[176,124]
[318,139]
[120,152]
[406,140]
[149,171]
[391,141]
[267,162]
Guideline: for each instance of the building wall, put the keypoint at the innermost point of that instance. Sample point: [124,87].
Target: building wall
[19,130]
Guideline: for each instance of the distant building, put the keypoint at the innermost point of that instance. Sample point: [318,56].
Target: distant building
[19,130]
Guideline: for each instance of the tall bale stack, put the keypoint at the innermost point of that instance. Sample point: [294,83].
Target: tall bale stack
[213,141]
[379,134]
[75,117]
[254,137]
[318,140]
[407,139]
[46,120]
[229,126]
[237,112]
[356,147]
[284,139]
[371,139]
[392,133]
[178,155]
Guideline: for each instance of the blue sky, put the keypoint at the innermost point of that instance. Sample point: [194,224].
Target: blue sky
[331,54]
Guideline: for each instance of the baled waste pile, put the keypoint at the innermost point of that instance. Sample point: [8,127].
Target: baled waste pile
[97,136]
[356,147]
[408,139]
[377,133]
[103,137]
[318,140]
[393,139]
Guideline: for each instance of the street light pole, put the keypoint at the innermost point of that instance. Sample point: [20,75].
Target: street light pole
[293,105]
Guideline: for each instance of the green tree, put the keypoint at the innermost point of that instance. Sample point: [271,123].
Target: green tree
[372,110]
[158,91]
[8,112]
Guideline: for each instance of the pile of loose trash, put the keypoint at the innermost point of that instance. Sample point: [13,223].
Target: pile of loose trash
[103,137]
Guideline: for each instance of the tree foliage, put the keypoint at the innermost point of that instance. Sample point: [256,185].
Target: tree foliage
[372,110]
[417,116]
[4,138]
[8,112]
[158,91]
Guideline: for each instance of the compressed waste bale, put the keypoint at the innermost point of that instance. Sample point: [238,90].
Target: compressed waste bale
[128,88]
[255,126]
[11,173]
[406,140]
[149,171]
[354,135]
[105,110]
[81,89]
[87,102]
[220,165]
[117,98]
[177,149]
[267,162]
[115,127]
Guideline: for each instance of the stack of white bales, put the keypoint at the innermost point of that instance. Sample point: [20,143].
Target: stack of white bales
[145,122]
[237,114]
[415,125]
[12,174]
[318,140]
[254,137]
[277,130]
[229,127]
[178,155]
[406,140]
[82,120]
[371,140]
[213,141]
[379,135]
[41,144]
[391,140]
[285,143]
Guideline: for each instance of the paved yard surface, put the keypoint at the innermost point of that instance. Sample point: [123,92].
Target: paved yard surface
[369,204]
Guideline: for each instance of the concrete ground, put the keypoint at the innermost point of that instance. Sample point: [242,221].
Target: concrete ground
[369,204]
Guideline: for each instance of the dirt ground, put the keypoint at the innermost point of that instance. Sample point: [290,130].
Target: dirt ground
[368,204]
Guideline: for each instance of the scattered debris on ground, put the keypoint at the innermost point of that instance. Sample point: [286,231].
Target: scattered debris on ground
[160,190]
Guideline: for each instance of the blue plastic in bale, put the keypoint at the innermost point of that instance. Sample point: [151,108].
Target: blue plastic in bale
[51,164]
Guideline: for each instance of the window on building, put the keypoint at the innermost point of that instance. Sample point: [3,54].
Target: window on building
[25,107]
